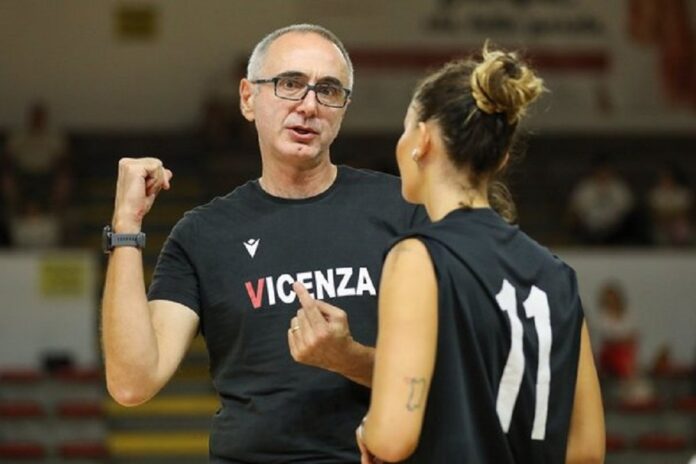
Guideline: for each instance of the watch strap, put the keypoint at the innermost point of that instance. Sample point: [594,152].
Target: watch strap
[112,239]
[136,240]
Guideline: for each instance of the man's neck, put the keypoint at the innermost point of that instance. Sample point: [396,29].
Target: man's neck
[294,183]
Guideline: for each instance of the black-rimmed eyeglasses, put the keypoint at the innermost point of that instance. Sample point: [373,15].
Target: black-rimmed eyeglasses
[296,88]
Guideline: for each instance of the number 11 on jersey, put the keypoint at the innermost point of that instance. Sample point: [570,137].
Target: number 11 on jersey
[536,306]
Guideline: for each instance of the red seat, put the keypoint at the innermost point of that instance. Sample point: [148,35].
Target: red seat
[677,372]
[686,403]
[22,450]
[83,450]
[616,442]
[21,409]
[641,405]
[20,375]
[79,409]
[78,375]
[661,442]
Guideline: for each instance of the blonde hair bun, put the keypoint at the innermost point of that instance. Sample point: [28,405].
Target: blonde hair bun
[502,83]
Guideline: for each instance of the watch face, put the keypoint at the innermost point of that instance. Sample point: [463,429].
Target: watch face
[141,240]
[106,239]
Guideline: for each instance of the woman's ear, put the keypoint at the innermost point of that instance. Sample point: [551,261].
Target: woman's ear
[425,139]
[246,99]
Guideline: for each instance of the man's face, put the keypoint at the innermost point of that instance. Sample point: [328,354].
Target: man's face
[300,131]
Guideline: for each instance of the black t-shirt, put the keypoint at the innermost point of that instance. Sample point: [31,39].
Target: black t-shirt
[492,399]
[233,262]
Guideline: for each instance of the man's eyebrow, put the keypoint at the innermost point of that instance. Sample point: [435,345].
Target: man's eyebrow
[292,74]
[330,80]
[323,80]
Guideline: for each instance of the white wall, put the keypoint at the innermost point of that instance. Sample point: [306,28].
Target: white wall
[66,51]
[48,303]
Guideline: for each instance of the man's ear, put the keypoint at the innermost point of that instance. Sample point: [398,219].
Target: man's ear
[247,93]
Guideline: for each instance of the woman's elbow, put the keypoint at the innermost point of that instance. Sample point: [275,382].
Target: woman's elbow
[589,455]
[394,452]
[595,459]
[393,447]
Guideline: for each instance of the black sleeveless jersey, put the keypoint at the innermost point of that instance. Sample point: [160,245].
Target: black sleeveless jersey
[508,345]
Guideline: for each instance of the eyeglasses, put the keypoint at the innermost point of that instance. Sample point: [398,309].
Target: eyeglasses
[296,88]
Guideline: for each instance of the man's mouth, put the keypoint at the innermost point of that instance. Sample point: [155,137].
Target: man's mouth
[302,134]
[303,130]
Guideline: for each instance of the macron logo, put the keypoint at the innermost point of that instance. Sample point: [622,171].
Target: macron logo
[251,245]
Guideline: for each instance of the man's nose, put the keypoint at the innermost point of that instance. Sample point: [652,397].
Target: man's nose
[308,104]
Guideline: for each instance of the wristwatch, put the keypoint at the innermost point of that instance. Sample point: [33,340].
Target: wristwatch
[111,240]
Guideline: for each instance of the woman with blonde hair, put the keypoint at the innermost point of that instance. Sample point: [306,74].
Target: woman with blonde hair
[482,354]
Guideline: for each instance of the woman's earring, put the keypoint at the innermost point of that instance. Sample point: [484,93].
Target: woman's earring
[415,154]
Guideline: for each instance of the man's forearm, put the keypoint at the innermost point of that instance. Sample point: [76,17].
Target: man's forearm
[128,336]
[358,364]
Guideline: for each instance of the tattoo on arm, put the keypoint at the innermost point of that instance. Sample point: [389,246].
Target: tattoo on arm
[416,394]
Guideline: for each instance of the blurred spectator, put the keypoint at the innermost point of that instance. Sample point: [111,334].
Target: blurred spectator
[36,177]
[215,130]
[662,364]
[601,206]
[221,106]
[617,333]
[34,227]
[228,140]
[618,346]
[671,202]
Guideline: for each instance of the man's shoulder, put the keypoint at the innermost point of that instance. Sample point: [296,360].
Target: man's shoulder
[224,207]
[368,174]
[378,194]
[373,181]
